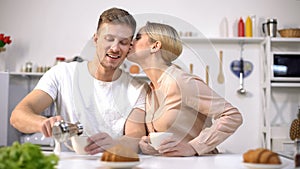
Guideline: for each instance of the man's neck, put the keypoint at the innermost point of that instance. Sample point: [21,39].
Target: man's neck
[100,73]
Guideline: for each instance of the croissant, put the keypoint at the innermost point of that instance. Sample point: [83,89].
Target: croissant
[261,156]
[119,153]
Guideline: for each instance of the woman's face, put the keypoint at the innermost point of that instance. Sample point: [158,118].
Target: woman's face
[141,47]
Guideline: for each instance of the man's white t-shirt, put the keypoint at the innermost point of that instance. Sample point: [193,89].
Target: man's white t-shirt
[99,106]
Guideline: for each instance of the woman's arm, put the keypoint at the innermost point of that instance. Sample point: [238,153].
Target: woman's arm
[134,129]
[226,117]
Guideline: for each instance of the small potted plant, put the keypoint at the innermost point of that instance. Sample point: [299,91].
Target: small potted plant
[3,41]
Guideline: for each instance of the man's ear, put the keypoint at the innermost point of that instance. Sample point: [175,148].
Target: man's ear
[95,38]
[155,46]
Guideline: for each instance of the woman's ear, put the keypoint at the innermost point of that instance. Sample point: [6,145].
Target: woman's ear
[155,46]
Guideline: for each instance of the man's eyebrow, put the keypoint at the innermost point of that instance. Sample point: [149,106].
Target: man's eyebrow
[120,37]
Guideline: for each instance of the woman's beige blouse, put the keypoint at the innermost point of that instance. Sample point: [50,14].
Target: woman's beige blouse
[184,105]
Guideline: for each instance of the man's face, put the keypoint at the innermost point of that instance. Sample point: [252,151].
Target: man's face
[112,44]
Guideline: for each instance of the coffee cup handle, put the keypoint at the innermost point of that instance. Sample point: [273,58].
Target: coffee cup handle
[69,146]
[263,28]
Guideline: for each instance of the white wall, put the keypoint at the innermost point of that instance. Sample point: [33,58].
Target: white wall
[44,29]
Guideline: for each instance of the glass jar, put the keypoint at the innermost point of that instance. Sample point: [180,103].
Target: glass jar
[28,67]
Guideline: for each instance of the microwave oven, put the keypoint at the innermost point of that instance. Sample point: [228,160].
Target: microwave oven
[285,67]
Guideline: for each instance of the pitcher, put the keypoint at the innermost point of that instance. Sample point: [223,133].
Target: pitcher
[269,28]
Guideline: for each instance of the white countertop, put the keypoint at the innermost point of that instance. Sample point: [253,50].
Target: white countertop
[69,160]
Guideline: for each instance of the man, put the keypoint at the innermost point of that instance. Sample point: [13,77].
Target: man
[95,93]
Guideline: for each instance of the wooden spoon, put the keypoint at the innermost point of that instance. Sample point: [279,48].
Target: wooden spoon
[221,75]
[207,75]
[191,68]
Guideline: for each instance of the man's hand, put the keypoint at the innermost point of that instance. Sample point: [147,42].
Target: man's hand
[171,147]
[47,125]
[99,142]
[146,147]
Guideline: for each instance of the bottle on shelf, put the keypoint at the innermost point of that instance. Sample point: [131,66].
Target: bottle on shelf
[28,67]
[59,60]
[241,28]
[224,27]
[297,154]
[248,27]
[254,28]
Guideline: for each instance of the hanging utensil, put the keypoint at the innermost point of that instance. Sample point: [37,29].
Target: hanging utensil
[207,75]
[191,68]
[221,75]
[241,90]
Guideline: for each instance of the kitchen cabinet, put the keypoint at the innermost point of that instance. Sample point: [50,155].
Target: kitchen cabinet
[4,120]
[280,99]
[14,86]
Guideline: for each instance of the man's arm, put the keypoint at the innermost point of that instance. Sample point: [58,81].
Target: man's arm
[27,118]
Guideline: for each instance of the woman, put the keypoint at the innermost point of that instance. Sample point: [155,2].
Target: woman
[179,102]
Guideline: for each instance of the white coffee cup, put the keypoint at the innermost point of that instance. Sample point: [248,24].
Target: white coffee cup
[78,144]
[157,137]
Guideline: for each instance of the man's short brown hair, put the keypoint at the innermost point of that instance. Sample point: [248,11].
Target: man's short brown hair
[117,16]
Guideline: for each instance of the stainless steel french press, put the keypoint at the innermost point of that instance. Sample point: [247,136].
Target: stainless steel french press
[62,131]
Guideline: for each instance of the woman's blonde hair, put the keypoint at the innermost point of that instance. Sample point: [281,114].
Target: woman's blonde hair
[170,41]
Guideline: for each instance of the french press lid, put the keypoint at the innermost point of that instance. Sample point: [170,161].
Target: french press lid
[272,20]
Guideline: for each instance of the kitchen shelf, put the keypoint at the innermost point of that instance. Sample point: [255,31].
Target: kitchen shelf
[140,75]
[250,40]
[26,73]
[285,84]
[279,97]
[292,40]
